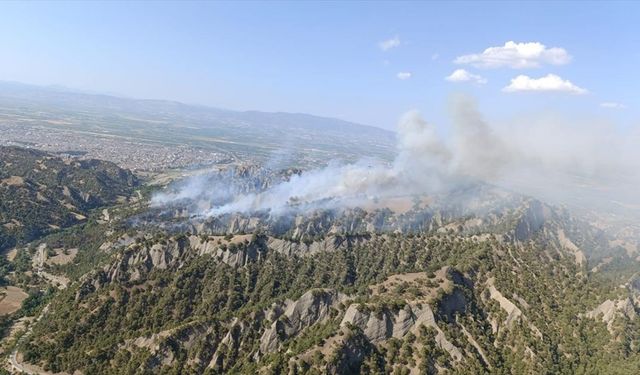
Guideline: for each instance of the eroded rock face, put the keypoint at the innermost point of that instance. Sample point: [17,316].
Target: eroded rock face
[236,256]
[137,260]
[532,220]
[40,256]
[162,345]
[312,307]
[568,245]
[451,304]
[329,244]
[377,327]
[231,340]
[321,223]
[381,326]
[634,284]
[513,312]
[352,351]
[609,310]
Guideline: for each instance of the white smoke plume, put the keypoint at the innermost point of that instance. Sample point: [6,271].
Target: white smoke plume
[545,158]
[421,167]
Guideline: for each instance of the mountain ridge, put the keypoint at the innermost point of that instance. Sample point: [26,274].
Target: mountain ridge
[6,88]
[475,281]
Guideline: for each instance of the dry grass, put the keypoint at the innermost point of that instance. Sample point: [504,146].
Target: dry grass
[13,181]
[428,286]
[61,258]
[11,299]
[11,254]
[399,205]
[237,239]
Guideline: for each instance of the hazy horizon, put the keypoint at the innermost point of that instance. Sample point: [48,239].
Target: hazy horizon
[366,63]
[73,90]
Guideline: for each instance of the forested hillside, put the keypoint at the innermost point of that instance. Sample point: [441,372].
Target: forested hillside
[438,289]
[477,280]
[436,303]
[42,193]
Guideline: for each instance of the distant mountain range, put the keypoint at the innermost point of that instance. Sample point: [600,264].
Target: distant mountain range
[253,133]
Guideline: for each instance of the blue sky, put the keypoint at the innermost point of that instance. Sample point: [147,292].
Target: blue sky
[326,58]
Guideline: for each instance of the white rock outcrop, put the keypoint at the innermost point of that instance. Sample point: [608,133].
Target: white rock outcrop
[312,307]
[609,310]
[381,326]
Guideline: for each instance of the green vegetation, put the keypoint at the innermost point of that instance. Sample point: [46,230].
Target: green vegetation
[213,314]
[432,297]
[41,193]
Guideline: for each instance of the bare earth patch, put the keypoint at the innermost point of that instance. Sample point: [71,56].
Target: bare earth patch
[33,369]
[11,254]
[57,280]
[62,257]
[398,205]
[11,298]
[13,181]
[237,239]
[428,286]
[12,224]
[78,216]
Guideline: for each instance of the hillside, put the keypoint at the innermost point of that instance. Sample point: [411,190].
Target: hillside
[498,283]
[373,304]
[41,193]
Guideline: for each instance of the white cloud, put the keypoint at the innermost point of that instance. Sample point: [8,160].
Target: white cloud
[461,75]
[548,83]
[386,45]
[403,75]
[517,56]
[435,56]
[613,105]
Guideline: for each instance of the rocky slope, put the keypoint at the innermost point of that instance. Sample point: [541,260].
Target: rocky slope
[342,304]
[488,282]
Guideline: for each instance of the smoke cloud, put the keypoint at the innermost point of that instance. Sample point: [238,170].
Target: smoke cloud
[586,166]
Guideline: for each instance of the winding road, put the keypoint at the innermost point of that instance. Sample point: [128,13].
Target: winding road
[13,358]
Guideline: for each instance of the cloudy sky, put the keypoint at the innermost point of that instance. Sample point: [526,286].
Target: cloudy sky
[364,62]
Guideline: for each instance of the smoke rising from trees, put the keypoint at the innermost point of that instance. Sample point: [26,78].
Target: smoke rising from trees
[585,166]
